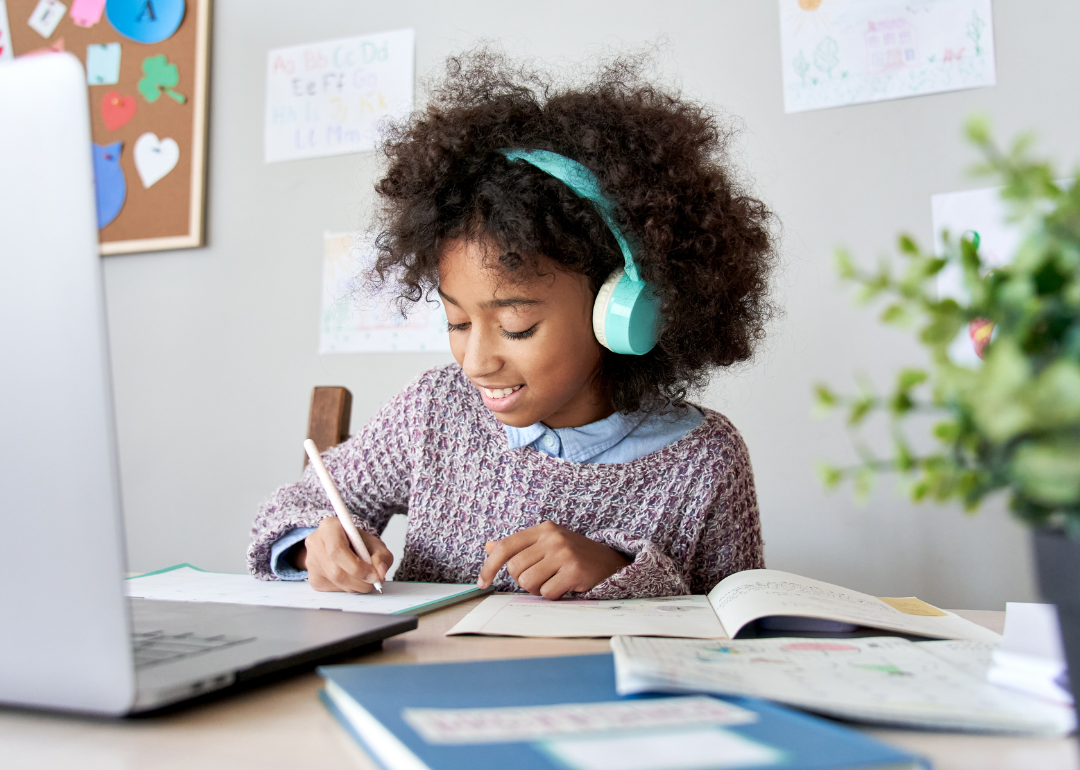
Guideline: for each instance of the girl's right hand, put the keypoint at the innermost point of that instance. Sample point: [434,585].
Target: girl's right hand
[332,565]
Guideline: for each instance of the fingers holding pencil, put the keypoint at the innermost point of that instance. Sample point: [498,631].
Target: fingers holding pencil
[342,511]
[332,564]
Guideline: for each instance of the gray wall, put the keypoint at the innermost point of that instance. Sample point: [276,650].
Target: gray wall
[215,349]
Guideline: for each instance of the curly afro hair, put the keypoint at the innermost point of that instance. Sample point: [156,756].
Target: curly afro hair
[704,245]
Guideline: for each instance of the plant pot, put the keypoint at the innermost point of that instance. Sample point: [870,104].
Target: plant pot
[1057,560]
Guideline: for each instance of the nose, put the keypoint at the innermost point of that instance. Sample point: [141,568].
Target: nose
[481,356]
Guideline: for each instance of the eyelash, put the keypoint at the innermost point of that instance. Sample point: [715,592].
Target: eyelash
[522,335]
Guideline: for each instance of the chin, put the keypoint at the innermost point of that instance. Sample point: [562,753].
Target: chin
[514,420]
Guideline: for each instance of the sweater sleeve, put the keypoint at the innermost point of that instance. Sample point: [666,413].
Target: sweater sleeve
[372,471]
[729,540]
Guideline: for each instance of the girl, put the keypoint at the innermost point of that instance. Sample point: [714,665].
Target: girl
[596,259]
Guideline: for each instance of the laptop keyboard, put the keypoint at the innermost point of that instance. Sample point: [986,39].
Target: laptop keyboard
[155,647]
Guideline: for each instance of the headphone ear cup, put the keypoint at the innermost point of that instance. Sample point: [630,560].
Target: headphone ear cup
[626,315]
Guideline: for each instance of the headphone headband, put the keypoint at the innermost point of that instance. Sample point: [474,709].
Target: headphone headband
[585,184]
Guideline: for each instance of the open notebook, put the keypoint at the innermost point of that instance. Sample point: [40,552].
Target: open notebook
[185,583]
[736,601]
[882,680]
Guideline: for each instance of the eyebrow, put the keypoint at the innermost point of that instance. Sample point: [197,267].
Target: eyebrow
[497,303]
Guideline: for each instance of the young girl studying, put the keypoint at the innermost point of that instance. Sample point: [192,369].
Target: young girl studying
[597,260]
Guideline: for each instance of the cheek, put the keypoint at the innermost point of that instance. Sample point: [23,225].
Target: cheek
[568,359]
[457,346]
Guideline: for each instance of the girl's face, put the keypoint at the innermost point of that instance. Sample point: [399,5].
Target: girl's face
[528,347]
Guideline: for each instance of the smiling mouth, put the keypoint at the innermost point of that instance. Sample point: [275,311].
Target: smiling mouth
[496,393]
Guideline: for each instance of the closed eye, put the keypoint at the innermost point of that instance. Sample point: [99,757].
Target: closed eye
[456,327]
[522,335]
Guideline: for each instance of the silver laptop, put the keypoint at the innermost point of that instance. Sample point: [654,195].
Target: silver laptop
[69,639]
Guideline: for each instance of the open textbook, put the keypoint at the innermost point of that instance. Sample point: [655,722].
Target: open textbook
[882,680]
[184,583]
[736,601]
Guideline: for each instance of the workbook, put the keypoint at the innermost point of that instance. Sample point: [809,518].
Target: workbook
[881,680]
[185,583]
[565,713]
[786,600]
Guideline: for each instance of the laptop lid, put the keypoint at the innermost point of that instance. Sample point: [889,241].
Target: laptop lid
[65,642]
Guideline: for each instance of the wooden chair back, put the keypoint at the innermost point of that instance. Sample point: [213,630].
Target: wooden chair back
[328,418]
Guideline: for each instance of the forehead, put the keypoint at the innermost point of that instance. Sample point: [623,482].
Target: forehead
[478,272]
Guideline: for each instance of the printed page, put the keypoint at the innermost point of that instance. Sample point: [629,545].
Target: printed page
[187,584]
[883,680]
[683,616]
[758,593]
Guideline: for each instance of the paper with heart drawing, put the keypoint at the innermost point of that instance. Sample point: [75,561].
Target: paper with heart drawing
[154,158]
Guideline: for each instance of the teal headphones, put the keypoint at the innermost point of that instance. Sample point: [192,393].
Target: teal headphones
[626,314]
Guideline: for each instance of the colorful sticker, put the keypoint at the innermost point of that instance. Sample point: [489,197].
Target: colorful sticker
[5,34]
[160,76]
[117,110]
[47,14]
[87,13]
[102,64]
[109,182]
[145,21]
[910,605]
[154,158]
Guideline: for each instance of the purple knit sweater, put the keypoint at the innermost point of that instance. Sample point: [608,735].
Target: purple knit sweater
[687,515]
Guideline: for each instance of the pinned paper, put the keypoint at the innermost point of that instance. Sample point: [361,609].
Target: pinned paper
[154,158]
[160,76]
[87,13]
[838,52]
[909,605]
[117,109]
[145,21]
[102,64]
[6,52]
[331,97]
[56,47]
[109,182]
[47,14]
[370,324]
[967,213]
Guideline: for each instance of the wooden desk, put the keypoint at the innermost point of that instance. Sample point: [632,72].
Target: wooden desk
[284,725]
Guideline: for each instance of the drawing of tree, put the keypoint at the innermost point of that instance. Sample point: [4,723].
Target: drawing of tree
[974,30]
[801,65]
[827,55]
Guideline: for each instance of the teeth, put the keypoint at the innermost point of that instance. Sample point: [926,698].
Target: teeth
[500,392]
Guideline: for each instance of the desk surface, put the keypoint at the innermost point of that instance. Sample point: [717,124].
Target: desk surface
[283,725]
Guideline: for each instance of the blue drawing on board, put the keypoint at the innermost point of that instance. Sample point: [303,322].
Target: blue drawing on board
[109,182]
[145,21]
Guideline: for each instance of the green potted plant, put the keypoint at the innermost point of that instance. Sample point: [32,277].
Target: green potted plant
[1012,424]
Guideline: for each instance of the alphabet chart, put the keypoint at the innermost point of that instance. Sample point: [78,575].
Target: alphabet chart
[329,98]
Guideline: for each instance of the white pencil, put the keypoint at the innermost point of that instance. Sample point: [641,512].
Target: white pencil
[339,507]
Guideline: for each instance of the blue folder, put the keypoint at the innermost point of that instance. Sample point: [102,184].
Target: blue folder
[380,693]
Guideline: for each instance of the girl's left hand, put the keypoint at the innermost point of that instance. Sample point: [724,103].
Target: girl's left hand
[548,560]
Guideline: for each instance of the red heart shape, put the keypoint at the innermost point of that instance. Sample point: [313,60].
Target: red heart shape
[116,109]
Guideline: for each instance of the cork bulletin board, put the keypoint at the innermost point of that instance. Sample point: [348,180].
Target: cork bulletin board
[147,63]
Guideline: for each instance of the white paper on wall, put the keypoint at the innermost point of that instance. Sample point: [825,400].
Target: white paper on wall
[837,52]
[359,321]
[329,98]
[972,211]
